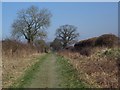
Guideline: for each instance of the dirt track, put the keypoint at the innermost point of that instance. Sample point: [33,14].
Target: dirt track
[47,75]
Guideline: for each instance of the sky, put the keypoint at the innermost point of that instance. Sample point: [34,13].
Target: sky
[91,19]
[60,0]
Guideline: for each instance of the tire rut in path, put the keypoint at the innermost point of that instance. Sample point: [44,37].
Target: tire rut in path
[47,75]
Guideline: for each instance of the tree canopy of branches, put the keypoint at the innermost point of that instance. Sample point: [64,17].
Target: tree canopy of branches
[31,23]
[67,34]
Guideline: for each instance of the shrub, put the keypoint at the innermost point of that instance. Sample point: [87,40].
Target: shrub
[84,46]
[41,46]
[16,48]
[85,43]
[56,45]
[86,51]
[107,40]
[70,48]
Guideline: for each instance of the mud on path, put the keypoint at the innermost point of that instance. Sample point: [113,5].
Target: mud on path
[47,75]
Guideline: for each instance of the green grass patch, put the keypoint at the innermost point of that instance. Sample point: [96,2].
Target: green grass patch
[68,74]
[26,78]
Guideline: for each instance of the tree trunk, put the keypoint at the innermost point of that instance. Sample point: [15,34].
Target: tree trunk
[30,41]
[64,45]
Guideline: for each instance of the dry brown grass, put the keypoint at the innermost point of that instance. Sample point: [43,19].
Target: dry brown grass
[16,58]
[97,70]
[13,68]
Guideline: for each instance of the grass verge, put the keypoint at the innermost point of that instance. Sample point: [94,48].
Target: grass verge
[26,78]
[68,74]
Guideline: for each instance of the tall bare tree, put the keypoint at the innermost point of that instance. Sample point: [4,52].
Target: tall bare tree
[31,23]
[67,34]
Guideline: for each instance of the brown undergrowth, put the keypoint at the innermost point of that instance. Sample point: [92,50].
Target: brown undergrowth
[99,70]
[16,58]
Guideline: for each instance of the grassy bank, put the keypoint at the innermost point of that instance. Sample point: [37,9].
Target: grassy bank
[26,78]
[68,74]
[99,70]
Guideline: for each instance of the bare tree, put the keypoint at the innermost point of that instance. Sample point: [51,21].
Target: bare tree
[67,34]
[30,23]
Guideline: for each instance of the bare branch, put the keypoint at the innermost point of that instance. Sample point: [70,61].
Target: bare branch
[30,22]
[67,34]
